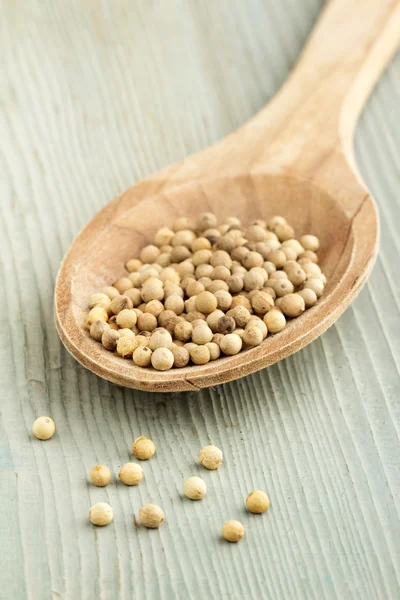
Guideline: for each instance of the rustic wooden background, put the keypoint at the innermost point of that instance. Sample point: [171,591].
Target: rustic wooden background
[94,96]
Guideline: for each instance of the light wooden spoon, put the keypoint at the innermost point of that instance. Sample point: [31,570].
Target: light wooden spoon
[294,158]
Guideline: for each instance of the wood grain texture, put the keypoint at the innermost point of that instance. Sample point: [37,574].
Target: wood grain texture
[319,431]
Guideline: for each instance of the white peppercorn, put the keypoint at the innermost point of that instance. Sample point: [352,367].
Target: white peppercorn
[257,502]
[232,531]
[175,303]
[126,318]
[160,338]
[100,475]
[109,339]
[262,302]
[201,334]
[101,514]
[162,359]
[147,322]
[101,300]
[309,297]
[126,346]
[216,285]
[125,332]
[131,473]
[119,303]
[226,324]
[142,355]
[133,265]
[99,314]
[181,356]
[214,350]
[275,321]
[183,331]
[292,305]
[195,488]
[310,242]
[97,329]
[200,355]
[206,302]
[240,314]
[213,318]
[110,291]
[282,287]
[151,516]
[314,284]
[211,457]
[231,344]
[253,336]
[224,300]
[123,284]
[143,448]
[43,428]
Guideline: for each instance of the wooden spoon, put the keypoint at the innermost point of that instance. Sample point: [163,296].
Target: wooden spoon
[294,158]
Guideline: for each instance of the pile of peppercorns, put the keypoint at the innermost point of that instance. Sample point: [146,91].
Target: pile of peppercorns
[202,289]
[151,515]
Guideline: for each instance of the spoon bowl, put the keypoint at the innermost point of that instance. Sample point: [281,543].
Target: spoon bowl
[267,167]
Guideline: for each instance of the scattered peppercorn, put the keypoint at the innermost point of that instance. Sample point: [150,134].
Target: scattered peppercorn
[143,448]
[100,475]
[151,516]
[195,488]
[232,531]
[101,514]
[43,428]
[211,457]
[257,502]
[131,473]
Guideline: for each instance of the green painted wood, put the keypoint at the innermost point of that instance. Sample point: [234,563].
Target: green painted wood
[96,95]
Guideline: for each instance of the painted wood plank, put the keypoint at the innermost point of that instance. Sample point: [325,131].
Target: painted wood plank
[94,96]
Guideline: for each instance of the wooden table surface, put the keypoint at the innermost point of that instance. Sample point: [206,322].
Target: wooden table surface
[94,96]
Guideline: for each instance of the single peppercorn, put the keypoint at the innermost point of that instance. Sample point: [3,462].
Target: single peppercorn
[143,448]
[97,329]
[231,344]
[309,297]
[151,516]
[119,303]
[201,334]
[43,428]
[211,457]
[123,284]
[292,305]
[206,302]
[253,336]
[126,318]
[100,475]
[200,355]
[195,488]
[126,345]
[181,356]
[232,531]
[257,502]
[160,338]
[142,355]
[275,321]
[131,473]
[101,514]
[109,339]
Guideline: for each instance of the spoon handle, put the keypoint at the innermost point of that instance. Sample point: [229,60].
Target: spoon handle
[308,127]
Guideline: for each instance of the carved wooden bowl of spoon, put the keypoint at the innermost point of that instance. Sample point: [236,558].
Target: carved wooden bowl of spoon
[294,158]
